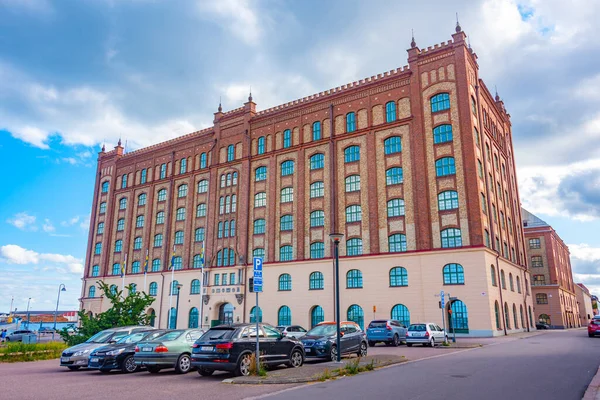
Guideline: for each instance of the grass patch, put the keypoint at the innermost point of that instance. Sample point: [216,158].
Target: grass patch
[262,371]
[17,352]
[326,375]
[446,344]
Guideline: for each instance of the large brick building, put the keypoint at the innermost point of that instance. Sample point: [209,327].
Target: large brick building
[414,166]
[551,277]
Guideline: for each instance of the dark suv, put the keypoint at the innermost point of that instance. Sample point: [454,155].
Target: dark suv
[229,348]
[320,341]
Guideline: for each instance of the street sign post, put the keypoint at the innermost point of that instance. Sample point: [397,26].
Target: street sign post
[258,282]
[443,303]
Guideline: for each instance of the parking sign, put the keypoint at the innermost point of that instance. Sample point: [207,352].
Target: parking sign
[257,269]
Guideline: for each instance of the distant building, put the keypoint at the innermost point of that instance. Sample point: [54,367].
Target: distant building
[584,299]
[552,283]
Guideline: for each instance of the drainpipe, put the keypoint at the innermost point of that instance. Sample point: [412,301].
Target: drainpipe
[332,199]
[500,289]
[162,289]
[245,269]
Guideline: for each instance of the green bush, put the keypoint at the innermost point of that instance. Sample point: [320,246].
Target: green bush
[15,352]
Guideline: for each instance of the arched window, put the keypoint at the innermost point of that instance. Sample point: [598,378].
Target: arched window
[530,316]
[228,179]
[254,313]
[156,265]
[260,199]
[287,194]
[459,317]
[182,190]
[442,133]
[285,253]
[221,205]
[354,279]
[113,289]
[201,210]
[261,145]
[118,246]
[398,277]
[317,250]
[353,213]
[179,237]
[103,207]
[397,242]
[180,215]
[448,200]
[355,314]
[390,111]
[440,102]
[515,317]
[158,240]
[287,138]
[519,288]
[219,261]
[124,182]
[352,183]
[235,178]
[503,279]
[453,274]
[522,317]
[105,187]
[316,130]
[317,161]
[132,288]
[392,145]
[174,289]
[493,275]
[172,318]
[259,226]
[445,166]
[260,174]
[92,291]
[177,263]
[317,189]
[351,154]
[116,269]
[153,289]
[135,266]
[197,261]
[193,318]
[227,204]
[317,315]
[510,282]
[451,238]
[230,152]
[286,223]
[354,247]
[100,229]
[287,168]
[394,176]
[497,312]
[203,160]
[395,208]
[284,316]
[162,195]
[316,281]
[400,313]
[260,252]
[350,122]
[96,270]
[163,171]
[195,286]
[506,316]
[142,199]
[120,224]
[541,298]
[152,314]
[285,282]
[122,203]
[233,203]
[203,186]
[223,177]
[317,218]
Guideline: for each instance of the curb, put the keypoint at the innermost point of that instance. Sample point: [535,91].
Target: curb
[593,390]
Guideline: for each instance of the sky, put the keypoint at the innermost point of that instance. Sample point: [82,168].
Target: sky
[76,74]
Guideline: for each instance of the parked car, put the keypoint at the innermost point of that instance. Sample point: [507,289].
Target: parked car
[320,341]
[78,356]
[390,332]
[428,334]
[292,330]
[46,329]
[594,327]
[119,355]
[541,325]
[170,350]
[17,336]
[230,347]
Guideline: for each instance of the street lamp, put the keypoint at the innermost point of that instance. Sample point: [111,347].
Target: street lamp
[335,238]
[178,286]
[61,288]
[28,301]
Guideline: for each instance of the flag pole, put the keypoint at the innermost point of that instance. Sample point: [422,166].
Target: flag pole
[146,270]
[123,271]
[202,287]
[171,289]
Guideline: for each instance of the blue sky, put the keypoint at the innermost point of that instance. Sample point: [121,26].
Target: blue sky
[76,74]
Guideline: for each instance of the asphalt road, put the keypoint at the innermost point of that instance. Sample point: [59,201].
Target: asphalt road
[554,365]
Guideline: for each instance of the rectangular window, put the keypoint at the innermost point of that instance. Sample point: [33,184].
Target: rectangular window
[287,138]
[483,205]
[163,171]
[537,261]
[316,133]
[183,166]
[223,279]
[217,279]
[539,280]
[535,243]
[232,278]
[477,138]
[480,169]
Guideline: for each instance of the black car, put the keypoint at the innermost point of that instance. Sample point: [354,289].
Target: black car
[230,347]
[320,341]
[119,355]
[541,325]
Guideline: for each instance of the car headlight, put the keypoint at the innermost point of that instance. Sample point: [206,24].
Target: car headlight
[115,352]
[80,353]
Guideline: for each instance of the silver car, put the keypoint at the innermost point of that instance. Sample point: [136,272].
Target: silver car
[78,356]
[427,334]
[295,331]
[17,336]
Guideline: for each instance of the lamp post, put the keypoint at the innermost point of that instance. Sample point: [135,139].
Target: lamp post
[550,305]
[335,238]
[177,305]
[61,288]
[28,301]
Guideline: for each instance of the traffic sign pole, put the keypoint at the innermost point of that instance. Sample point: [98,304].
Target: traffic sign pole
[443,314]
[258,282]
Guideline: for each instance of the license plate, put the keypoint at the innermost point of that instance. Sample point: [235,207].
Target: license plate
[307,349]
[206,348]
[65,359]
[146,348]
[94,359]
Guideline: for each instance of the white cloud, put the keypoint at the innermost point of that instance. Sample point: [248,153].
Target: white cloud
[48,227]
[23,221]
[71,221]
[238,16]
[585,252]
[14,254]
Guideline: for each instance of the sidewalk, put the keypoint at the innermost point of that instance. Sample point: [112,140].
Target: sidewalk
[593,390]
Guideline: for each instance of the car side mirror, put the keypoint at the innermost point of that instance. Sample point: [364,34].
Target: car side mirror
[342,333]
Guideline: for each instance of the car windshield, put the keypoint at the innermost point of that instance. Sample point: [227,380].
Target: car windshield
[217,334]
[101,337]
[133,338]
[322,330]
[378,324]
[417,327]
[169,336]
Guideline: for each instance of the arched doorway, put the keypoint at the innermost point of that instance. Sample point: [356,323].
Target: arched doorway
[253,314]
[545,318]
[193,318]
[152,314]
[226,314]
[458,317]
[317,315]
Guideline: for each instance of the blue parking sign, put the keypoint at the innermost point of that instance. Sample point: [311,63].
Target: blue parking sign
[257,269]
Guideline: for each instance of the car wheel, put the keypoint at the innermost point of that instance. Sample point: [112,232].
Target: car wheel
[362,352]
[73,368]
[205,372]
[371,343]
[153,370]
[409,344]
[296,359]
[183,364]
[128,365]
[432,342]
[333,353]
[243,367]
[395,341]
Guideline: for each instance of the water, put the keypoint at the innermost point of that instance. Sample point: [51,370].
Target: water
[35,326]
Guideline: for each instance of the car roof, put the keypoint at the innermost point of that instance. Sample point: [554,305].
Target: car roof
[333,323]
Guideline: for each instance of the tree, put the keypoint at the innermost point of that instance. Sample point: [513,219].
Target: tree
[124,311]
